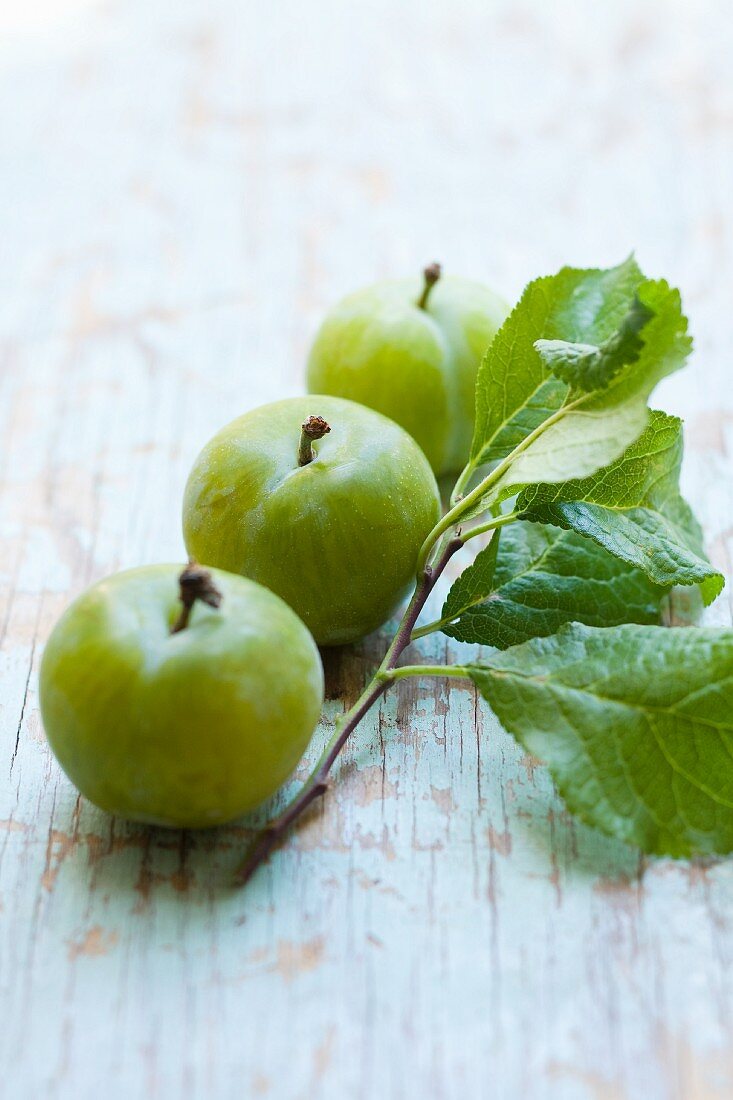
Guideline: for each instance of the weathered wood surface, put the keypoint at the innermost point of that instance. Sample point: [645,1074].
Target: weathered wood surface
[185,187]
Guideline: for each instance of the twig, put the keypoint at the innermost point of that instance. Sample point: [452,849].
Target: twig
[316,785]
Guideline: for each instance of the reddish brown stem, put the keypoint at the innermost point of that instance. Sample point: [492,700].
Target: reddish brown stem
[316,785]
[315,427]
[431,274]
[194,583]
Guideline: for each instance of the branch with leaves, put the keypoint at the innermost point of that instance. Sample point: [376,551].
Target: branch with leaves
[576,481]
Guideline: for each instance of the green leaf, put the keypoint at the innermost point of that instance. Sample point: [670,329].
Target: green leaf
[635,724]
[533,422]
[587,367]
[597,427]
[475,583]
[634,510]
[544,577]
[515,390]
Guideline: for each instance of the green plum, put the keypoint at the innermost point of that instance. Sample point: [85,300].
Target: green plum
[178,713]
[333,527]
[412,356]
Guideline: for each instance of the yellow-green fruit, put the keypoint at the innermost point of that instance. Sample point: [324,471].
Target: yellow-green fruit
[415,363]
[337,538]
[187,729]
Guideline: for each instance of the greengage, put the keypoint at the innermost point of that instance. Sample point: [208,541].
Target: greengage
[329,510]
[182,701]
[412,355]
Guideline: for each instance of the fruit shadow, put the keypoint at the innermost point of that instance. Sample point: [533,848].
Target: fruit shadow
[153,865]
[148,863]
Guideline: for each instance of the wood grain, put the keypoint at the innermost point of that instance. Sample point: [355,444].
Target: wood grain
[186,188]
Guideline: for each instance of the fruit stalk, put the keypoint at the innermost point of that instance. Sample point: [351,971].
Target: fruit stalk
[195,583]
[316,785]
[431,274]
[315,427]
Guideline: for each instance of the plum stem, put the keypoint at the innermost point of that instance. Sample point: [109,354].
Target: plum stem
[431,274]
[195,583]
[316,784]
[315,427]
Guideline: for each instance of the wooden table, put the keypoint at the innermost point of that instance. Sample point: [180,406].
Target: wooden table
[186,187]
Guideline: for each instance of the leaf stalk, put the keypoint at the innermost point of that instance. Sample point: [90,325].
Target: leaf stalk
[463,506]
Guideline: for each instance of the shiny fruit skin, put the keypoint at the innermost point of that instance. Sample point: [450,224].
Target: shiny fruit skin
[417,366]
[338,538]
[189,729]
